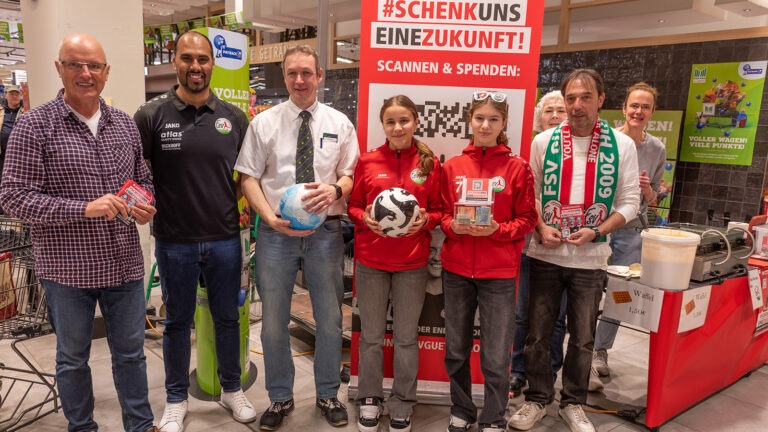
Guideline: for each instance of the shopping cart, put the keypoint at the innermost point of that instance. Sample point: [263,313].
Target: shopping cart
[26,393]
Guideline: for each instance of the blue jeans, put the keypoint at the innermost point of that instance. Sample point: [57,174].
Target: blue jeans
[585,289]
[521,325]
[278,258]
[626,248]
[496,300]
[180,266]
[71,312]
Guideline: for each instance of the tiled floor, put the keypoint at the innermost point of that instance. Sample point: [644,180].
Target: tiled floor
[741,407]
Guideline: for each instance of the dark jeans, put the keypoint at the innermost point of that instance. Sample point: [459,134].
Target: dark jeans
[521,325]
[495,299]
[584,288]
[180,266]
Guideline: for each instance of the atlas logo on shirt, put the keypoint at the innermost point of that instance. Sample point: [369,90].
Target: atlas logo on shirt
[171,136]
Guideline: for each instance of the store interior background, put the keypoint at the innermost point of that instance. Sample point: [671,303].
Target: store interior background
[653,40]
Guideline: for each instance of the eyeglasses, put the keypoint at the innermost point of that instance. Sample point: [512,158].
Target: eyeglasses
[495,96]
[78,66]
[638,107]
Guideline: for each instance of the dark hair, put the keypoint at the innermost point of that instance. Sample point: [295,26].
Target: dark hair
[585,76]
[196,33]
[644,87]
[302,49]
[426,156]
[502,107]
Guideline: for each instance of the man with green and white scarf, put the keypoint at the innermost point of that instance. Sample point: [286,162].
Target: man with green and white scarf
[586,184]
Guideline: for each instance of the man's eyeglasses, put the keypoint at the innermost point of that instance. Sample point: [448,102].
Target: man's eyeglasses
[78,66]
[495,96]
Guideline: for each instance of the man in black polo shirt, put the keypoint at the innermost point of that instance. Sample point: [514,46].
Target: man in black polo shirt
[191,140]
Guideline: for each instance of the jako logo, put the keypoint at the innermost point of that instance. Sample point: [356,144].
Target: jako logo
[222,50]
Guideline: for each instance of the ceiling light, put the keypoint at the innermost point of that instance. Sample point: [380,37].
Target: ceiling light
[661,21]
[747,10]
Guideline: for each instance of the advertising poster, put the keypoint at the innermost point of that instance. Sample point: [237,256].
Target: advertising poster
[665,125]
[438,53]
[230,77]
[5,31]
[722,112]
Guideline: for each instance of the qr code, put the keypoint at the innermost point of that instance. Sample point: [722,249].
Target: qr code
[440,120]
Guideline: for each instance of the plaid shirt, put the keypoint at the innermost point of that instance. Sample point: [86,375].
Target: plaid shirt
[54,166]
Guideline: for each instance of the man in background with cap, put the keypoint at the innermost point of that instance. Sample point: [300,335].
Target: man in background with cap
[11,108]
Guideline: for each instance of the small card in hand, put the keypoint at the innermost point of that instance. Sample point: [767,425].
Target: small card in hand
[132,193]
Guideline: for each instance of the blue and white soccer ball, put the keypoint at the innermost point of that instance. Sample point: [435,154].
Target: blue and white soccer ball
[292,209]
[395,210]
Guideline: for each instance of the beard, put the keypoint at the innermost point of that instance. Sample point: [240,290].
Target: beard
[196,88]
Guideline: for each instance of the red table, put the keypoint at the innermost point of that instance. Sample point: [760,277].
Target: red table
[687,368]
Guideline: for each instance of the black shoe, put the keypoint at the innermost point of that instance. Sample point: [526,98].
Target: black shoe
[516,386]
[334,411]
[273,417]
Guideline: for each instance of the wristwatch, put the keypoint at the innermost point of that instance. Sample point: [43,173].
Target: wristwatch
[339,192]
[597,235]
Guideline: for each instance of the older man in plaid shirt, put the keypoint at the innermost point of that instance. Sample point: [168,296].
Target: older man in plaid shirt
[66,160]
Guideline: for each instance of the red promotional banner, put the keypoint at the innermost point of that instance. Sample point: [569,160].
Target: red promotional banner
[438,53]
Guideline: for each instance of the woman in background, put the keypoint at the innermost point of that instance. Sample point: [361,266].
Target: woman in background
[626,243]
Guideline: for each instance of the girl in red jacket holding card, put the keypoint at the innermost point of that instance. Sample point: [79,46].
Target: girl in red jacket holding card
[488,208]
[395,266]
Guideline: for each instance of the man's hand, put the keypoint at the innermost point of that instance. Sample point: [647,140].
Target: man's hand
[143,213]
[580,237]
[551,238]
[319,197]
[284,226]
[107,206]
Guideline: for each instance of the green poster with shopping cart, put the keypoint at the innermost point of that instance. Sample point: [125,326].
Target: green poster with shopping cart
[722,112]
[230,80]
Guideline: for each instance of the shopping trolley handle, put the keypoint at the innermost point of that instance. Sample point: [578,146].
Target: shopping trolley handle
[29,330]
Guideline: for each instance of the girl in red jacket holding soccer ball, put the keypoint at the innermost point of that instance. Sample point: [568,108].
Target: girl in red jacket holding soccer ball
[395,266]
[488,208]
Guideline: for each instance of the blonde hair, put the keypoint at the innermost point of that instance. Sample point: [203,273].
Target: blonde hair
[539,110]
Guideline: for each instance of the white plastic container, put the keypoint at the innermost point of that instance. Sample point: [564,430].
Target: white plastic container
[667,258]
[761,239]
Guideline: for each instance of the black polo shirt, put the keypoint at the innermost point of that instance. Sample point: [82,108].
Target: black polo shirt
[192,152]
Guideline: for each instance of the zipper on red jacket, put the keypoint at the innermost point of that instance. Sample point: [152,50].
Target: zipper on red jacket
[399,174]
[474,239]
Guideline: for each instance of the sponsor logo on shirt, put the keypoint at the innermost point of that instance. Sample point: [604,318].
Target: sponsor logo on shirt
[416,176]
[223,125]
[171,136]
[498,184]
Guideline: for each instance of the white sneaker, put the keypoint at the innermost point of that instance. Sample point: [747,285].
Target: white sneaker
[173,417]
[242,410]
[527,416]
[595,383]
[600,362]
[576,419]
[458,424]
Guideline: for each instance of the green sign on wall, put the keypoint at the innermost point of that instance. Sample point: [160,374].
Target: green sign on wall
[722,112]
